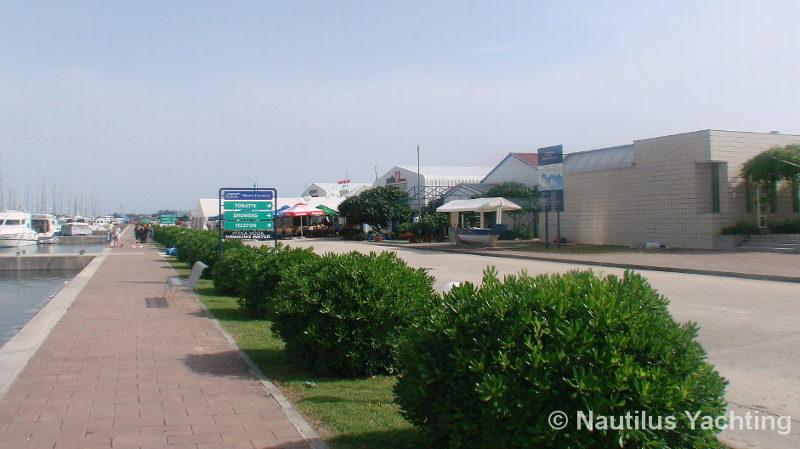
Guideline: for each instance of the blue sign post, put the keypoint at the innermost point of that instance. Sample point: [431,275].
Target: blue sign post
[247,213]
[550,185]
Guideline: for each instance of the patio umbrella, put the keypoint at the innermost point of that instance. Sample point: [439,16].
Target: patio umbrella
[279,212]
[328,211]
[302,210]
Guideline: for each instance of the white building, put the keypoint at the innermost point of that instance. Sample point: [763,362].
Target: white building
[333,189]
[515,167]
[436,180]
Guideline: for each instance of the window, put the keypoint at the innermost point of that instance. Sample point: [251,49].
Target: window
[771,193]
[715,188]
[749,199]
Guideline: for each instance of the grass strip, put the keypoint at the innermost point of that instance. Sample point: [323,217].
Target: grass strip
[348,413]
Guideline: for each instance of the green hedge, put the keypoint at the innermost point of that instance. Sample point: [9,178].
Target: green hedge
[270,267]
[194,245]
[345,314]
[487,366]
[232,274]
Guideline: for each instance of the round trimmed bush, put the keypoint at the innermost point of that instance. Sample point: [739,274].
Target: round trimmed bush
[269,267]
[232,272]
[345,313]
[487,366]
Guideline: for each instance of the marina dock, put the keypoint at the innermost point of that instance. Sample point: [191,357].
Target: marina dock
[109,362]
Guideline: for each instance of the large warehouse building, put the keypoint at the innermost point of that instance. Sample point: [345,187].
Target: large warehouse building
[679,190]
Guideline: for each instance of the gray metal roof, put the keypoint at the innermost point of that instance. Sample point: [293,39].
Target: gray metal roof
[602,159]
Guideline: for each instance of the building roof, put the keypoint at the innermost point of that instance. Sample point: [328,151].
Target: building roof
[600,159]
[530,158]
[443,171]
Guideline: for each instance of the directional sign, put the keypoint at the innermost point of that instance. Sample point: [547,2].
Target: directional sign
[166,219]
[247,205]
[248,226]
[248,195]
[248,215]
[249,235]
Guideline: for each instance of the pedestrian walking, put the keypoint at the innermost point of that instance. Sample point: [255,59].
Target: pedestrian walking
[117,232]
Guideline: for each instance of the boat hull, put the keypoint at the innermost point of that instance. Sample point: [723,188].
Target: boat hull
[17,240]
[76,229]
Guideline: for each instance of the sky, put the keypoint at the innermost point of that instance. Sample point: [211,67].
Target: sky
[137,106]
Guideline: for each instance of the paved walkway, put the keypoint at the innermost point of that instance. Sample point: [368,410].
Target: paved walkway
[748,265]
[125,369]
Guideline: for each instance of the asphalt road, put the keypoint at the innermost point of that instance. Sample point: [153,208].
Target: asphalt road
[750,328]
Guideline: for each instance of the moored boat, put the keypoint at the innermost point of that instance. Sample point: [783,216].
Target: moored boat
[76,226]
[16,230]
[47,226]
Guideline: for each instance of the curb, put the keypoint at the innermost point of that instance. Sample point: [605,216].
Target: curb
[732,274]
[17,352]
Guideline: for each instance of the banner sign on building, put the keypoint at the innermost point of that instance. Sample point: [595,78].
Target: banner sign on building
[550,181]
[247,213]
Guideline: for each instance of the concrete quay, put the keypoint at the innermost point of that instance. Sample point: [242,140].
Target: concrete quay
[110,363]
[45,262]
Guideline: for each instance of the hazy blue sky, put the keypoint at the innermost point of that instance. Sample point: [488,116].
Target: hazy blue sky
[151,104]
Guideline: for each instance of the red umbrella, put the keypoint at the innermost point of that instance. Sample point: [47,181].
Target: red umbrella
[302,210]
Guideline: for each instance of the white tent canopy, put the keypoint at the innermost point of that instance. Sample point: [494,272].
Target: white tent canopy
[482,205]
[479,205]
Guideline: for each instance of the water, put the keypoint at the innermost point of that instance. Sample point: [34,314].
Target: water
[56,248]
[23,294]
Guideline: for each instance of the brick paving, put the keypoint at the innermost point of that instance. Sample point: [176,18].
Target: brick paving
[115,373]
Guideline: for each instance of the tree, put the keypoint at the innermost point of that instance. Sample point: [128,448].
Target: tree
[377,207]
[774,165]
[523,196]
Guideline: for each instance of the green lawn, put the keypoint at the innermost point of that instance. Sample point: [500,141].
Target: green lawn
[348,413]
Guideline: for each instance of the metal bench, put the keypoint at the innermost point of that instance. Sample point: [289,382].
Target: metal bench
[189,283]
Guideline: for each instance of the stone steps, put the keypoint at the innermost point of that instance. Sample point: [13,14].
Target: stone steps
[780,243]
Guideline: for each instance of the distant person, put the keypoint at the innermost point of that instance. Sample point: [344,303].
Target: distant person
[109,234]
[138,233]
[116,235]
[145,233]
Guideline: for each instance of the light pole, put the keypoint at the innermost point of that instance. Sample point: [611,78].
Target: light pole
[419,187]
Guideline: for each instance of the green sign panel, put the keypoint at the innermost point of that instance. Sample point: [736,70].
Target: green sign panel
[146,220]
[248,215]
[166,219]
[248,205]
[248,226]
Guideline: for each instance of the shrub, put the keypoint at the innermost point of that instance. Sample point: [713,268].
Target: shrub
[487,366]
[741,228]
[270,267]
[787,227]
[521,232]
[345,313]
[194,245]
[232,272]
[353,234]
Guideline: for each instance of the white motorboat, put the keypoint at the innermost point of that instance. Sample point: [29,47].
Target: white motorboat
[16,230]
[47,226]
[76,226]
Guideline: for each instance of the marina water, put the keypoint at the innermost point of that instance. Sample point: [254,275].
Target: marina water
[24,293]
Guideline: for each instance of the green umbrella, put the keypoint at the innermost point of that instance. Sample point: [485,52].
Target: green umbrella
[328,210]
